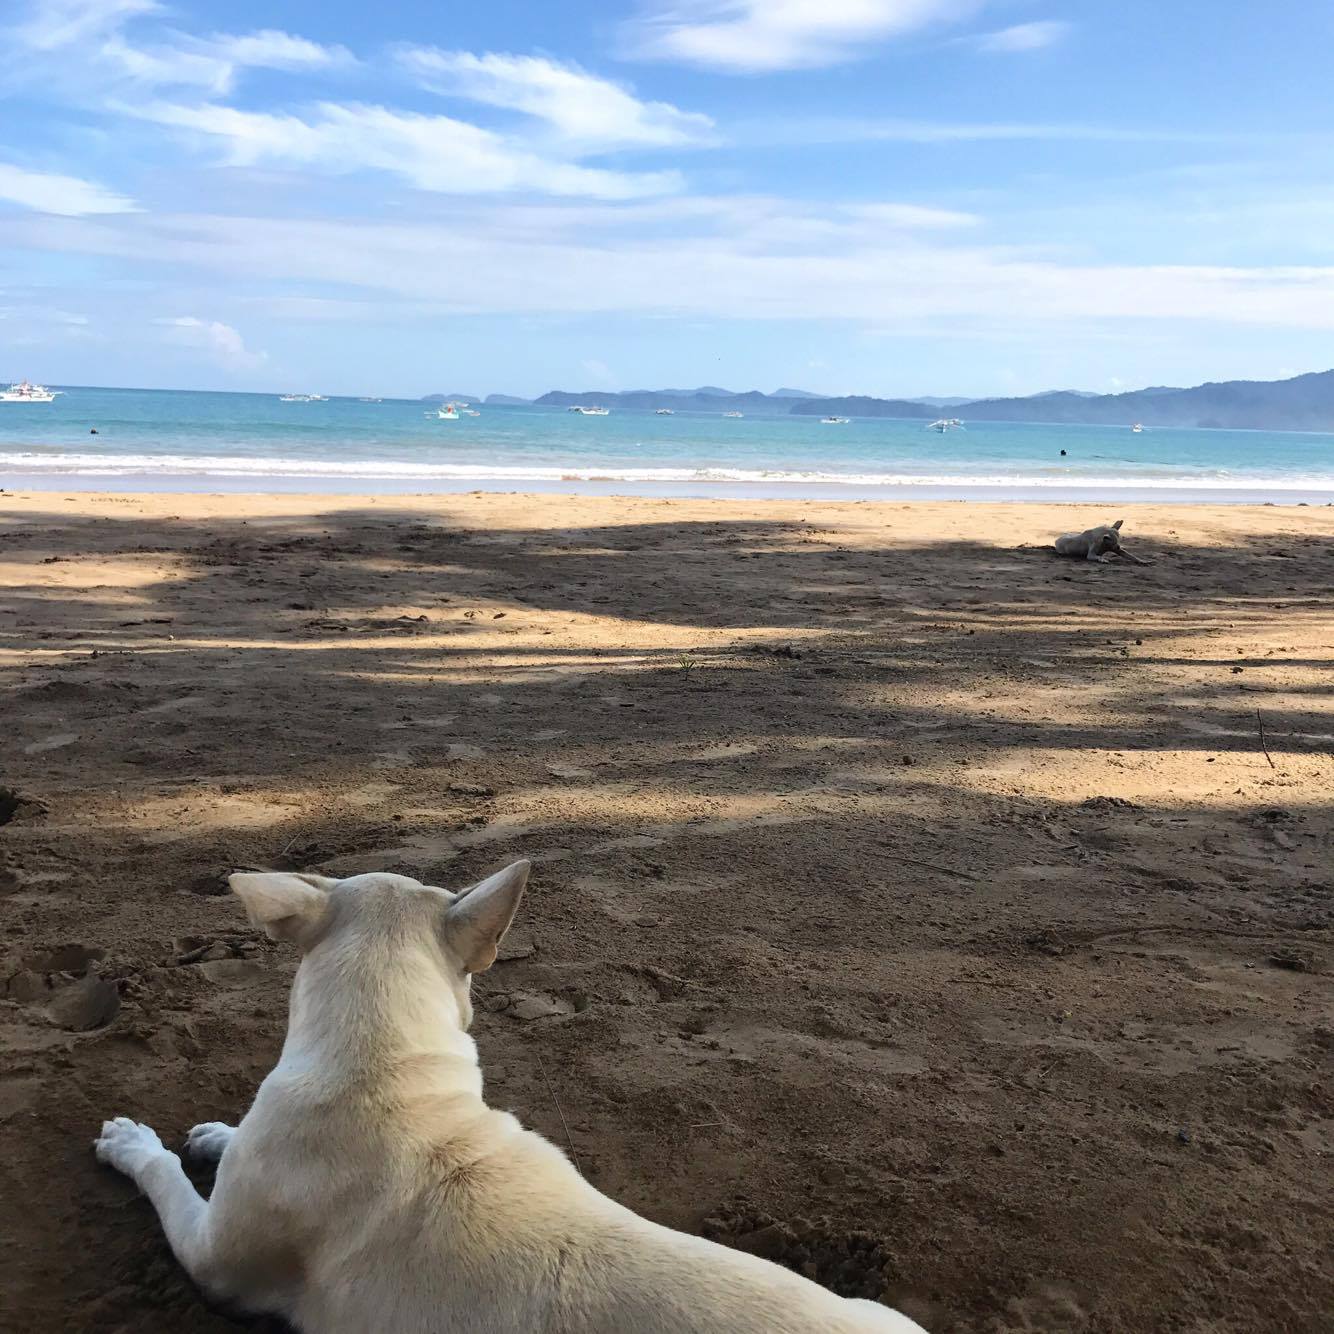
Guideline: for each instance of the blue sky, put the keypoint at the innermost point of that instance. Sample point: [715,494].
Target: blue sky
[878,196]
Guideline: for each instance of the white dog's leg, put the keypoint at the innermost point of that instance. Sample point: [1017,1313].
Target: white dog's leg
[137,1151]
[207,1140]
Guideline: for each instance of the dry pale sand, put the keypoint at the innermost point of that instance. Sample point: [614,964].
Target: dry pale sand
[923,901]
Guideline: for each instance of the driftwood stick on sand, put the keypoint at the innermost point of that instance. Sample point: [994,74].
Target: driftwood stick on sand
[931,866]
[1126,555]
[1263,746]
[560,1111]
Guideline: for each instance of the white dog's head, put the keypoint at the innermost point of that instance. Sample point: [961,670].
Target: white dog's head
[372,918]
[1107,537]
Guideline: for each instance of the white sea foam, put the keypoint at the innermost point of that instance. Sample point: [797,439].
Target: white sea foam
[240,466]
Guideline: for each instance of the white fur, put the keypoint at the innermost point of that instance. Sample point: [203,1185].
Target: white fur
[370,1190]
[1097,544]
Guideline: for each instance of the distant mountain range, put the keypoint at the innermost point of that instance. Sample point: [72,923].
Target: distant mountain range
[706,398]
[709,398]
[1303,403]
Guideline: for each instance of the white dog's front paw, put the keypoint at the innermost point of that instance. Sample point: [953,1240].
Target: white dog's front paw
[207,1140]
[126,1145]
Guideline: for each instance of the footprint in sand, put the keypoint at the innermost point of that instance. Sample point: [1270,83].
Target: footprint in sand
[91,1003]
[525,1006]
[233,972]
[73,1003]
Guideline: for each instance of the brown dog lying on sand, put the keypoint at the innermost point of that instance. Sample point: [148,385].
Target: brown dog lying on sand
[1100,544]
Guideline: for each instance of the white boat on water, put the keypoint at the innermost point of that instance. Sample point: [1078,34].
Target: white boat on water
[471,412]
[1137,429]
[665,412]
[944,424]
[304,398]
[590,412]
[24,392]
[835,421]
[447,412]
[734,413]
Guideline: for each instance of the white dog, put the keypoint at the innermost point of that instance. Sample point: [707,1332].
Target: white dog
[1099,544]
[370,1190]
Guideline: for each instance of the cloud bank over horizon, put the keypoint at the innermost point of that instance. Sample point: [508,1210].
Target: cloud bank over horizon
[696,169]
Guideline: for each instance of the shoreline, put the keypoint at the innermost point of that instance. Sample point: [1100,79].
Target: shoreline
[1107,493]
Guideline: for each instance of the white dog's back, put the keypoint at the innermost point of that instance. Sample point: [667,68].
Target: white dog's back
[484,1208]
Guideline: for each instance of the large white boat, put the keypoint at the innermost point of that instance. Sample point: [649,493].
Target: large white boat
[24,392]
[304,398]
[447,412]
[944,424]
[734,413]
[590,412]
[665,412]
[835,421]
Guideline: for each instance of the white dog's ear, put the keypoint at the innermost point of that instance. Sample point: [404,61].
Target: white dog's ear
[288,907]
[1117,524]
[480,916]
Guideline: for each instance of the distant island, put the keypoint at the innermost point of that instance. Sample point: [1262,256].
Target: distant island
[1303,403]
[706,399]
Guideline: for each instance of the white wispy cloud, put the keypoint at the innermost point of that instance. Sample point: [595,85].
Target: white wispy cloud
[51,192]
[270,48]
[221,342]
[911,217]
[119,57]
[48,25]
[1022,37]
[580,107]
[540,263]
[98,45]
[214,63]
[752,36]
[797,131]
[435,153]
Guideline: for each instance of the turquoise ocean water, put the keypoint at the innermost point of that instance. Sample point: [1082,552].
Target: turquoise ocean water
[175,440]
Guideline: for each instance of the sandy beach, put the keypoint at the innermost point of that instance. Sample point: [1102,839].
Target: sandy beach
[941,917]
